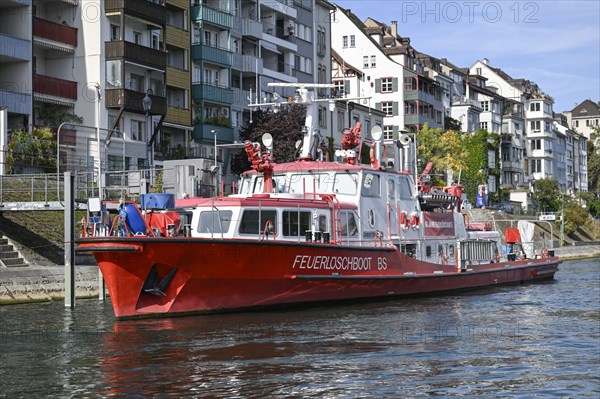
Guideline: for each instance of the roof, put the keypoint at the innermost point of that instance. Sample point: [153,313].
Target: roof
[345,66]
[586,109]
[262,200]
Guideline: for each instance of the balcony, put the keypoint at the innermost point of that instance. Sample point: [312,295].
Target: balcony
[55,32]
[203,132]
[56,87]
[17,103]
[421,96]
[247,64]
[14,48]
[420,120]
[215,94]
[178,77]
[252,28]
[135,53]
[178,37]
[241,98]
[506,137]
[213,55]
[202,13]
[180,116]
[132,101]
[143,9]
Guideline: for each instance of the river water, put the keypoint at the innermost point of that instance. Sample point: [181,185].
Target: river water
[536,340]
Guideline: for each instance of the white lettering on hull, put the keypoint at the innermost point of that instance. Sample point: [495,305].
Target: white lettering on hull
[322,262]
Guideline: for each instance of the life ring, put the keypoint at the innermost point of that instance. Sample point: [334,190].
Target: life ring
[403,220]
[415,221]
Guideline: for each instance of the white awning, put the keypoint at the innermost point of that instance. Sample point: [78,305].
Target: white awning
[270,46]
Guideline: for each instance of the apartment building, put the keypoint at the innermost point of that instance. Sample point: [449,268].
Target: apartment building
[390,73]
[584,117]
[504,116]
[539,134]
[15,62]
[176,130]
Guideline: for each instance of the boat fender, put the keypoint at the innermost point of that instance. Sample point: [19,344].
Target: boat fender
[403,220]
[415,221]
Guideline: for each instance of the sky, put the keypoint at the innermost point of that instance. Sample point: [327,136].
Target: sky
[554,43]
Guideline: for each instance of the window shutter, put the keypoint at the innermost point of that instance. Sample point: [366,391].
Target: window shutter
[396,132]
[377,85]
[395,84]
[347,87]
[378,106]
[395,108]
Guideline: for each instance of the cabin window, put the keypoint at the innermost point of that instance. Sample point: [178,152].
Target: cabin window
[252,223]
[295,223]
[391,190]
[258,185]
[345,183]
[405,188]
[428,250]
[308,183]
[349,226]
[323,223]
[370,186]
[214,222]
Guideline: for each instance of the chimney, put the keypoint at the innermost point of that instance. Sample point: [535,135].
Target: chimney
[394,29]
[486,61]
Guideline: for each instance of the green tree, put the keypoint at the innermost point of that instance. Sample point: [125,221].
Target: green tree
[441,148]
[593,157]
[452,124]
[286,128]
[53,115]
[575,216]
[475,170]
[37,150]
[547,196]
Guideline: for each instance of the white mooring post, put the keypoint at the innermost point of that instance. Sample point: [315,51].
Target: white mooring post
[69,218]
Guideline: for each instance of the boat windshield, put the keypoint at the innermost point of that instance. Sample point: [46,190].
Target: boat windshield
[346,183]
[214,221]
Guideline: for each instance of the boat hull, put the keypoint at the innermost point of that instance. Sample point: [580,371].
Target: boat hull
[149,277]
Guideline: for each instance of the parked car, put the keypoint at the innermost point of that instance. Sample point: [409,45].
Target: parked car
[503,207]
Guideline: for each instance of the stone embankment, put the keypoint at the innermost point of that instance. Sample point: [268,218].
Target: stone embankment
[44,283]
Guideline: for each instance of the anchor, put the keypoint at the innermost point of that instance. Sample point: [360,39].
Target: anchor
[153,286]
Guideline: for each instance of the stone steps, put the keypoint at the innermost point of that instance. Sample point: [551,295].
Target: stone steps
[9,257]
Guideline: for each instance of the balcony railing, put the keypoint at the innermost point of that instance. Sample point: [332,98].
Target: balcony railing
[18,103]
[54,86]
[144,9]
[211,54]
[53,31]
[204,92]
[13,47]
[136,53]
[132,101]
[204,132]
[202,13]
[247,63]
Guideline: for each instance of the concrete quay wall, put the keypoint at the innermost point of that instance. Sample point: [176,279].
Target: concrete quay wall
[44,283]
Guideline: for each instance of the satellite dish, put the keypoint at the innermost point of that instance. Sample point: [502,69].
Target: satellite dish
[267,139]
[298,144]
[376,133]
